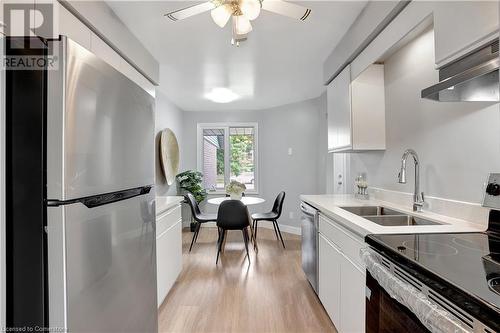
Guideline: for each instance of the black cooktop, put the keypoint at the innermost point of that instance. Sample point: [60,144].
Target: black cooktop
[463,267]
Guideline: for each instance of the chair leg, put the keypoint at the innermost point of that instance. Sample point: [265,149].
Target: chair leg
[246,238]
[279,232]
[195,235]
[219,244]
[275,232]
[255,229]
[252,237]
[223,246]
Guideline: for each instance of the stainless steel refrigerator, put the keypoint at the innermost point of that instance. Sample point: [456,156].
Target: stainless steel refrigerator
[81,202]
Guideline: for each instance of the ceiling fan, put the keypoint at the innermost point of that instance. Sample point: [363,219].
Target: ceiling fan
[241,12]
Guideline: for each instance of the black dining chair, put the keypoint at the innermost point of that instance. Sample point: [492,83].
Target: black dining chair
[272,216]
[198,216]
[232,215]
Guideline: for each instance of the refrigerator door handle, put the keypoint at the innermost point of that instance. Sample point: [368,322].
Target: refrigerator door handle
[103,199]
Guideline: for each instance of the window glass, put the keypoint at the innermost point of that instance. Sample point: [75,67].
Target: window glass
[213,159]
[242,159]
[228,153]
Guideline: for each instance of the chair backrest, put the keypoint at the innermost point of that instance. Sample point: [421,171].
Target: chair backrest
[232,214]
[195,209]
[278,203]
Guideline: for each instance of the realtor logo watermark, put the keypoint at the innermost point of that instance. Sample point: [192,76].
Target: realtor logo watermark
[32,28]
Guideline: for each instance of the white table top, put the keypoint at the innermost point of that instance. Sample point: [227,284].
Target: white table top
[246,200]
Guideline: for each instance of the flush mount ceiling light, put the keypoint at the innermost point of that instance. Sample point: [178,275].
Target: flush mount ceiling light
[221,95]
[241,12]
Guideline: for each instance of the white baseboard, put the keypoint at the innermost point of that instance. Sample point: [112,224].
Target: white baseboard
[283,227]
[264,224]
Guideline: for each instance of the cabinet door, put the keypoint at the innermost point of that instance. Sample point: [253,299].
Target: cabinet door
[332,129]
[168,259]
[329,279]
[368,109]
[461,26]
[339,111]
[352,298]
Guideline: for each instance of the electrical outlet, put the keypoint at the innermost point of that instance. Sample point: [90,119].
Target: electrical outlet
[291,215]
[290,151]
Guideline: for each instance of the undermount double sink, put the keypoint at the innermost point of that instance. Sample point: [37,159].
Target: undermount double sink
[388,217]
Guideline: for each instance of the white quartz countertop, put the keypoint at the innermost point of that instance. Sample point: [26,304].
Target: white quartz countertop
[330,205]
[165,203]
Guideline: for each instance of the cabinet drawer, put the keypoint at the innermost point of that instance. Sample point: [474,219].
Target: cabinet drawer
[349,244]
[167,219]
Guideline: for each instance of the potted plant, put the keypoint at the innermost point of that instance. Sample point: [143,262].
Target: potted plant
[191,181]
[235,189]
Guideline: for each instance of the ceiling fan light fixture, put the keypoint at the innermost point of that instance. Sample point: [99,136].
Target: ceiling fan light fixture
[221,15]
[250,8]
[241,25]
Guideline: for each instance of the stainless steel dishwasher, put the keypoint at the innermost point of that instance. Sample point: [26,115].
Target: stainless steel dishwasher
[309,226]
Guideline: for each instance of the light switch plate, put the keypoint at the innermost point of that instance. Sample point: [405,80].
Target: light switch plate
[492,191]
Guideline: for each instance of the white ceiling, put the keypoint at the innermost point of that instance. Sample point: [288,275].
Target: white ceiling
[281,62]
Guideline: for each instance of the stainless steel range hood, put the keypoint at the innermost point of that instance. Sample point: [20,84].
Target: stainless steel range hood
[473,78]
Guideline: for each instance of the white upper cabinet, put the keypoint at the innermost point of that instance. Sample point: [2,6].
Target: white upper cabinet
[105,52]
[462,26]
[72,27]
[356,111]
[339,110]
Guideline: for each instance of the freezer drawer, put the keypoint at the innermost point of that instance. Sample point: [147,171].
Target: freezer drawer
[102,266]
[100,128]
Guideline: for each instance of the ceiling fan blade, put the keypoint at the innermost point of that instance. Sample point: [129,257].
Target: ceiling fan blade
[287,9]
[191,11]
[221,15]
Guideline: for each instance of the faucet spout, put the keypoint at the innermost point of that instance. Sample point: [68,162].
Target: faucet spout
[418,197]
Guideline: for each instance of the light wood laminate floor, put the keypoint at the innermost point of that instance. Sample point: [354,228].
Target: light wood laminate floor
[269,295]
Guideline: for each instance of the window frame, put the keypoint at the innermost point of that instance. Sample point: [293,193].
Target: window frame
[227,151]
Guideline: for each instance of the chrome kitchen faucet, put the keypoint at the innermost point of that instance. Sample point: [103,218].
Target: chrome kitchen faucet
[418,197]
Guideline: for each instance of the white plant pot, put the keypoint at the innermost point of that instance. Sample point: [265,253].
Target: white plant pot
[235,196]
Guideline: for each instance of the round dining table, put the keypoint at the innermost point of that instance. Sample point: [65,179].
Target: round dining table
[247,201]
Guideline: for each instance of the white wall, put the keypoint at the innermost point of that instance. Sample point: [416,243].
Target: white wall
[458,143]
[167,115]
[293,126]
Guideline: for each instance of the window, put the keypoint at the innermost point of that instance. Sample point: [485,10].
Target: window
[228,152]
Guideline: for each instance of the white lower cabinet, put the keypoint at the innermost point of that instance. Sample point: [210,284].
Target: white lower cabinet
[329,278]
[341,279]
[168,251]
[352,297]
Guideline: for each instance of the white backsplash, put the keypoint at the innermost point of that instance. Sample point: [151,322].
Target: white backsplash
[471,212]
